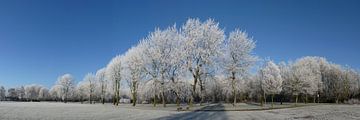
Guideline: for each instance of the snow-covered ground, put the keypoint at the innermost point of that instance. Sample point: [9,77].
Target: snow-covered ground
[76,111]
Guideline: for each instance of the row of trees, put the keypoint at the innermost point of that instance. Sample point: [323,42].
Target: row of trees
[25,93]
[313,77]
[198,63]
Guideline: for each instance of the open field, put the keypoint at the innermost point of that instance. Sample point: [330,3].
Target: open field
[75,111]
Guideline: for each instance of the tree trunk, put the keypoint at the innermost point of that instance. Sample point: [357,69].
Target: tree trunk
[90,98]
[134,98]
[233,87]
[119,95]
[202,94]
[306,98]
[102,93]
[265,98]
[67,90]
[234,98]
[314,99]
[193,92]
[163,98]
[201,98]
[281,99]
[337,100]
[272,101]
[113,100]
[191,101]
[262,100]
[103,100]
[163,89]
[117,92]
[154,99]
[296,99]
[134,102]
[177,100]
[214,98]
[196,75]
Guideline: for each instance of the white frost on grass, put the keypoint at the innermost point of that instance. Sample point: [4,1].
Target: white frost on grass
[73,111]
[76,111]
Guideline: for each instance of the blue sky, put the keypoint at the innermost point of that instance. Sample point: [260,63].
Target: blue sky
[41,40]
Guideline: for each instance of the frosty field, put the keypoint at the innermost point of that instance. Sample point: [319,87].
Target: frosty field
[75,111]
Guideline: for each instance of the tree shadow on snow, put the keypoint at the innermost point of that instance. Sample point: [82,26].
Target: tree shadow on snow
[201,114]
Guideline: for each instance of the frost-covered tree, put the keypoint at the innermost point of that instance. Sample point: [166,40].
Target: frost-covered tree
[341,83]
[134,67]
[181,88]
[82,91]
[148,90]
[286,74]
[238,59]
[90,82]
[152,68]
[12,94]
[350,83]
[271,80]
[255,88]
[56,92]
[292,84]
[178,84]
[114,74]
[20,92]
[173,63]
[202,45]
[216,88]
[2,93]
[334,82]
[307,69]
[32,91]
[160,46]
[101,79]
[43,93]
[66,82]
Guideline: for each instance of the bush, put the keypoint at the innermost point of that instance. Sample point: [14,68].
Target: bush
[352,101]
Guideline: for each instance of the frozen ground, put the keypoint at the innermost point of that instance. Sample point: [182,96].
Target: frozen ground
[75,111]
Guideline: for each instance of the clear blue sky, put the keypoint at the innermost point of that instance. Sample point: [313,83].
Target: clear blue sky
[42,39]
